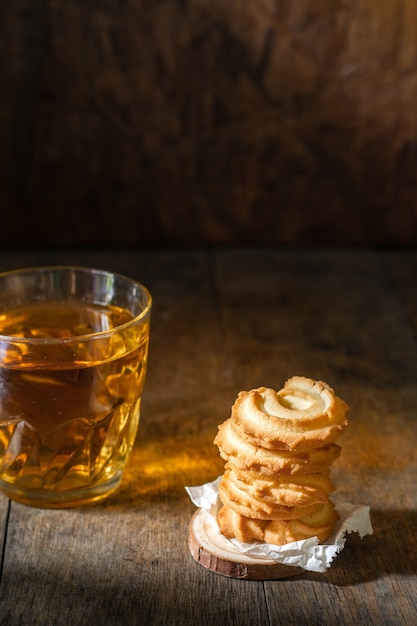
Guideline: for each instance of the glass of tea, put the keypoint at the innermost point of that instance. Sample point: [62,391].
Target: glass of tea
[73,356]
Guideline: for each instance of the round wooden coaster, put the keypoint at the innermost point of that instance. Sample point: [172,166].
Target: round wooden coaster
[212,551]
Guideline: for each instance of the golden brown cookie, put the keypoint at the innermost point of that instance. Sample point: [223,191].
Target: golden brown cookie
[282,490]
[245,455]
[319,523]
[290,490]
[234,495]
[305,414]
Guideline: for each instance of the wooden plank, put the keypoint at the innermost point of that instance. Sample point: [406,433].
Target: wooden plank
[331,315]
[225,321]
[127,561]
[4,515]
[401,268]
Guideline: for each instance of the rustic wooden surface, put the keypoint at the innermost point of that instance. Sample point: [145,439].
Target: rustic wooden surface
[226,320]
[208,121]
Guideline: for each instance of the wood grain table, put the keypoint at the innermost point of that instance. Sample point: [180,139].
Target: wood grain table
[226,320]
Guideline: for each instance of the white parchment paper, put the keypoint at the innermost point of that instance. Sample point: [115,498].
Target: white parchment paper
[309,553]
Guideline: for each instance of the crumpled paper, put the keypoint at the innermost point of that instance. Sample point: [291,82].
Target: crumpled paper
[308,554]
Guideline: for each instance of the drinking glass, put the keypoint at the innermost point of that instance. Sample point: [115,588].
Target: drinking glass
[73,356]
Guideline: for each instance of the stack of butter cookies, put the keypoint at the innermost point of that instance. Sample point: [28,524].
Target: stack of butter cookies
[279,447]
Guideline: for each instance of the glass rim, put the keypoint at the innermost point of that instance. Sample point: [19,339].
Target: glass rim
[101,334]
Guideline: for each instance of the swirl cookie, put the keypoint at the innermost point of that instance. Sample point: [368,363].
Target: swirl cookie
[282,490]
[305,414]
[257,508]
[246,455]
[317,523]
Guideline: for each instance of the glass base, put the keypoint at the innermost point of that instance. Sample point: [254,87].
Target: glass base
[44,499]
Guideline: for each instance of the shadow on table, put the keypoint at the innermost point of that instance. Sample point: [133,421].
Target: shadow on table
[392,549]
[87,599]
[110,595]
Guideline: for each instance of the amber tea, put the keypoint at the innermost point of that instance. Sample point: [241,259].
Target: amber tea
[71,379]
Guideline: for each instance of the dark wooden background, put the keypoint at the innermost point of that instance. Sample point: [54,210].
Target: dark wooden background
[208,121]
